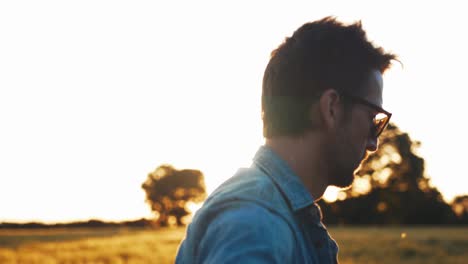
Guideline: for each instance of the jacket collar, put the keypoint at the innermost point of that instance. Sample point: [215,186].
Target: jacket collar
[286,180]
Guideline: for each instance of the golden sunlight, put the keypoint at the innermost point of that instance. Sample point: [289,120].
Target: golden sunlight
[331,194]
[362,185]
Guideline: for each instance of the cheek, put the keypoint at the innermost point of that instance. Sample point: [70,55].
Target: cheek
[353,136]
[358,138]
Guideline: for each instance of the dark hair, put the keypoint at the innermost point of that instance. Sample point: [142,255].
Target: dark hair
[319,55]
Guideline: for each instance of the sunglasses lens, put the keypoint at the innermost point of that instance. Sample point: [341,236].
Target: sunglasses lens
[380,122]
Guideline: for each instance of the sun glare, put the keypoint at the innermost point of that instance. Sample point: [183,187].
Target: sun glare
[331,194]
[193,207]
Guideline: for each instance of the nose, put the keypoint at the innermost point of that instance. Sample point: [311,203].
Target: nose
[372,144]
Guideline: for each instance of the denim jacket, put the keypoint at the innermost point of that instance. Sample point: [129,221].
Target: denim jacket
[263,214]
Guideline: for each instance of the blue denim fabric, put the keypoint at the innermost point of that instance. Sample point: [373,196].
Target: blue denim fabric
[263,214]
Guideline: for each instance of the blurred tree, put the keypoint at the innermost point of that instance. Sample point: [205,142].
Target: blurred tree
[391,188]
[169,190]
[460,207]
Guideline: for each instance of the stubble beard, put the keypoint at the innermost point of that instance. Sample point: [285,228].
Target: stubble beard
[342,175]
[348,175]
[345,179]
[344,171]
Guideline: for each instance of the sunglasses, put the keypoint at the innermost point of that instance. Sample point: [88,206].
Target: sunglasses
[381,118]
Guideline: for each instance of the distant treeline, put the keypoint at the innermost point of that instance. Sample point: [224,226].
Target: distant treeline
[82,224]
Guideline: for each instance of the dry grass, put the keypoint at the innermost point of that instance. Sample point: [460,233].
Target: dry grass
[402,245]
[103,246]
[357,245]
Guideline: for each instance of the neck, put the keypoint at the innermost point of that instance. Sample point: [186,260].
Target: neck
[303,156]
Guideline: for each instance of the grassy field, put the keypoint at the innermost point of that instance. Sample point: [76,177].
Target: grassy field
[357,245]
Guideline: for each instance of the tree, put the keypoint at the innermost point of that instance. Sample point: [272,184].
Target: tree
[391,188]
[460,207]
[168,191]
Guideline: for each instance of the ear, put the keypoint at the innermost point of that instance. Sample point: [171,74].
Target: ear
[330,108]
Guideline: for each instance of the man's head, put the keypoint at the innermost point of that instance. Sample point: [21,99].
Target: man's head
[327,77]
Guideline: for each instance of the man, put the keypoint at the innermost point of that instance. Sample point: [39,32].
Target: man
[322,112]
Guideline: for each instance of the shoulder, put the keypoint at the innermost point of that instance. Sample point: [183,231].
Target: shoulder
[249,184]
[249,195]
[245,230]
[247,215]
[245,218]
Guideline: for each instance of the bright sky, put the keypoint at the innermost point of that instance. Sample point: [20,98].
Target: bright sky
[96,94]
